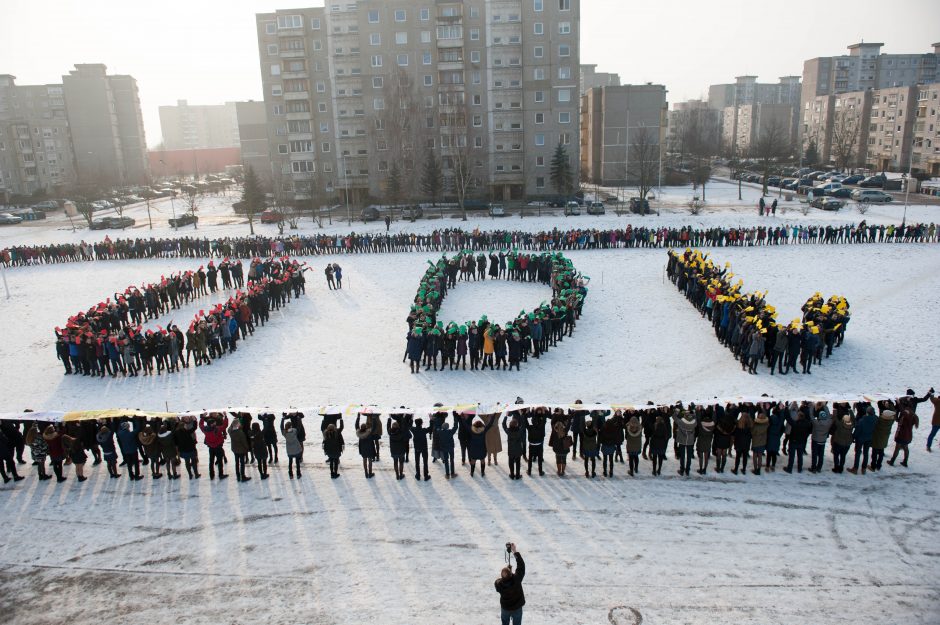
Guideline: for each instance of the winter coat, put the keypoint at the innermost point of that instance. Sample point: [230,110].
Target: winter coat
[185,440]
[397,440]
[292,444]
[150,443]
[477,445]
[511,596]
[267,428]
[214,435]
[906,424]
[634,438]
[589,441]
[366,444]
[419,437]
[127,440]
[661,434]
[822,424]
[238,440]
[106,442]
[704,436]
[842,436]
[494,442]
[54,443]
[685,428]
[882,433]
[800,430]
[864,429]
[515,439]
[759,429]
[333,445]
[167,445]
[444,437]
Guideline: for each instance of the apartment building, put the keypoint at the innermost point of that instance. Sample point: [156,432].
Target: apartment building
[698,113]
[192,127]
[253,139]
[106,127]
[614,122]
[746,90]
[743,126]
[35,145]
[925,143]
[591,78]
[486,87]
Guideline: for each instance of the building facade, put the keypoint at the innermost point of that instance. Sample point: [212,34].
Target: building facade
[591,78]
[253,139]
[487,88]
[743,126]
[192,127]
[925,144]
[35,144]
[616,124]
[106,127]
[697,113]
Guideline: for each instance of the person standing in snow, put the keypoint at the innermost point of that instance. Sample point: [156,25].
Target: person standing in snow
[330,282]
[419,435]
[333,446]
[292,445]
[515,446]
[509,587]
[366,446]
[213,430]
[338,275]
[478,443]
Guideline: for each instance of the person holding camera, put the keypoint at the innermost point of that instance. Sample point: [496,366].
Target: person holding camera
[509,587]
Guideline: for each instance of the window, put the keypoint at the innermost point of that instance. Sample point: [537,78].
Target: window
[538,5]
[474,56]
[564,73]
[373,17]
[478,142]
[540,118]
[539,52]
[539,96]
[321,87]
[324,127]
[301,167]
[538,28]
[564,50]
[540,161]
[476,78]
[276,69]
[400,15]
[474,34]
[321,107]
[325,147]
[565,138]
[564,5]
[375,39]
[539,139]
[376,60]
[564,28]
[270,28]
[538,73]
[378,103]
[290,21]
[477,99]
[450,32]
[474,12]
[276,90]
[272,49]
[564,95]
[381,145]
[282,148]
[426,58]
[402,60]
[401,38]
[317,44]
[564,117]
[477,120]
[314,23]
[278,109]
[540,182]
[428,80]
[425,14]
[301,146]
[298,125]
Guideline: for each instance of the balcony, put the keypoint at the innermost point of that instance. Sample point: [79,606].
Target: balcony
[450,65]
[300,136]
[288,75]
[292,54]
[450,43]
[290,32]
[299,116]
[296,95]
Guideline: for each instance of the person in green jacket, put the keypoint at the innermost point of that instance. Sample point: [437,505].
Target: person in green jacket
[759,440]
[879,440]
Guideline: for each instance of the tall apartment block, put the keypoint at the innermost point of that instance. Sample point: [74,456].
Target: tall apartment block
[613,121]
[199,126]
[352,89]
[106,126]
[35,145]
[882,100]
[591,78]
[253,139]
[749,107]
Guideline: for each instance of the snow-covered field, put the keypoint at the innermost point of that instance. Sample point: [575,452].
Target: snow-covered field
[750,550]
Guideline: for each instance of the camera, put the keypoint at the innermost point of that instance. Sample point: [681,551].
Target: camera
[508,547]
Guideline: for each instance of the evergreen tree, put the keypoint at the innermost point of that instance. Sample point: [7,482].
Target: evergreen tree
[432,179]
[812,153]
[561,174]
[252,197]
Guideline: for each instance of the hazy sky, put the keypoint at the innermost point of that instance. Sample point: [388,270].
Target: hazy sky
[206,51]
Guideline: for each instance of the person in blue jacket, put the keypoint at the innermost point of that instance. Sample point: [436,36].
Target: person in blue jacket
[127,441]
[415,348]
[477,443]
[105,439]
[862,435]
[444,441]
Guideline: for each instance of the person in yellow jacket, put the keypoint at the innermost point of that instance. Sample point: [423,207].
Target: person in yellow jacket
[489,348]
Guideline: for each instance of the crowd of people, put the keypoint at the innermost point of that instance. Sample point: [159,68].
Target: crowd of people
[747,325]
[702,438]
[457,239]
[430,341]
[109,338]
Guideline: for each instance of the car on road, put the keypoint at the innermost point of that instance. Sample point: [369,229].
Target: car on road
[412,212]
[8,219]
[104,223]
[871,195]
[183,220]
[827,203]
[595,208]
[639,206]
[853,179]
[46,206]
[271,216]
[827,188]
[572,208]
[497,210]
[133,199]
[369,213]
[842,192]
[877,181]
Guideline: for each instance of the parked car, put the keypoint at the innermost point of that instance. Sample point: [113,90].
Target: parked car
[870,195]
[791,184]
[271,216]
[413,212]
[773,181]
[877,181]
[595,208]
[8,219]
[572,208]
[893,184]
[184,220]
[475,205]
[853,179]
[827,188]
[842,192]
[827,203]
[105,223]
[497,210]
[369,213]
[639,206]
[47,205]
[816,175]
[133,199]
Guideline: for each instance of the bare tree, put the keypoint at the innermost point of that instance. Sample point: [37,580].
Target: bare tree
[772,145]
[644,161]
[846,128]
[458,160]
[193,200]
[398,129]
[698,142]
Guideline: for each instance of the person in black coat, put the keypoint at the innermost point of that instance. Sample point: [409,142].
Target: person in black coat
[397,446]
[535,430]
[419,435]
[477,444]
[415,348]
[7,449]
[800,429]
[515,446]
[333,445]
[509,587]
[366,446]
[270,435]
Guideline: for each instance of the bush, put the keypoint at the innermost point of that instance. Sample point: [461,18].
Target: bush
[695,206]
[862,207]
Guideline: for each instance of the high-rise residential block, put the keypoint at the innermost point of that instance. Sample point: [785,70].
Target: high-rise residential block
[192,127]
[354,90]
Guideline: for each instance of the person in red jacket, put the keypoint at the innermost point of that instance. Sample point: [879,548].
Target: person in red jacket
[213,429]
[907,421]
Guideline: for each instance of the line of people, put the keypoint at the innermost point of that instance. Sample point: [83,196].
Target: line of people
[487,343]
[755,435]
[456,239]
[747,325]
[109,338]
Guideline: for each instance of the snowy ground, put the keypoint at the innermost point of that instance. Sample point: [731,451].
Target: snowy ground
[755,550]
